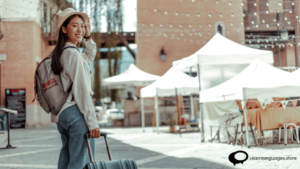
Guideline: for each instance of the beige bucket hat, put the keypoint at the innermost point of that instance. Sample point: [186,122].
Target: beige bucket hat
[65,14]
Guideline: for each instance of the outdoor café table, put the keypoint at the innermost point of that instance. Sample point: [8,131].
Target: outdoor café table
[271,118]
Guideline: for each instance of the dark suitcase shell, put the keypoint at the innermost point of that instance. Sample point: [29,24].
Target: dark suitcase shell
[115,164]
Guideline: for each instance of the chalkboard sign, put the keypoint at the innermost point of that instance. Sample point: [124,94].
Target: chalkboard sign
[16,100]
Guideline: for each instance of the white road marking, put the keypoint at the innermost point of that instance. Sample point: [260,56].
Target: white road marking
[174,153]
[29,152]
[33,139]
[163,145]
[166,168]
[150,159]
[122,138]
[28,166]
[120,145]
[54,166]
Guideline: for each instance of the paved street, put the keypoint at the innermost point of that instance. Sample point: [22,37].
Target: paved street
[39,148]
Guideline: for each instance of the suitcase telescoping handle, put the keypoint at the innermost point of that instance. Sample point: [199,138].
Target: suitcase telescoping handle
[89,147]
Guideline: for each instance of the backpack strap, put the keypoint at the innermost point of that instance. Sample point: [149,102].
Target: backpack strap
[70,88]
[68,47]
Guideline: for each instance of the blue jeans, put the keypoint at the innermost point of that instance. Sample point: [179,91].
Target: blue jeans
[72,127]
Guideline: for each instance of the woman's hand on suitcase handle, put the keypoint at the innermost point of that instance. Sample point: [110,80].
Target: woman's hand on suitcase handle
[95,133]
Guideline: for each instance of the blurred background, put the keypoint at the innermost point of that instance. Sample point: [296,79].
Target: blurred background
[150,34]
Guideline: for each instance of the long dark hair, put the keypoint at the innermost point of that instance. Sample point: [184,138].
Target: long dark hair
[61,42]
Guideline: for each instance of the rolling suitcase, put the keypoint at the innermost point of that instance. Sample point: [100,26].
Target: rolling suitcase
[115,164]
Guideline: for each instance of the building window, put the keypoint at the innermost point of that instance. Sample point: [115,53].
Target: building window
[220,28]
[52,20]
[45,18]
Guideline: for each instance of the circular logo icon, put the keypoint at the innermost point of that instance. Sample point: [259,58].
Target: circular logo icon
[235,161]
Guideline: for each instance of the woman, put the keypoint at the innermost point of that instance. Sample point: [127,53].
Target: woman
[77,117]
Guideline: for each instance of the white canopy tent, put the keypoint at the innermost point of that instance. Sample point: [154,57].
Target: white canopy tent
[132,77]
[171,83]
[165,86]
[218,61]
[221,51]
[258,81]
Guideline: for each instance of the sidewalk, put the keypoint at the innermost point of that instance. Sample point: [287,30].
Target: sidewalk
[39,148]
[3,137]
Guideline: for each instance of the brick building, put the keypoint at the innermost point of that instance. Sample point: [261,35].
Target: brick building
[25,28]
[181,27]
[263,19]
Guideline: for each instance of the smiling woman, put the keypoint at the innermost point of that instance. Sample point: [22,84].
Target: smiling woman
[77,116]
[75,30]
[66,34]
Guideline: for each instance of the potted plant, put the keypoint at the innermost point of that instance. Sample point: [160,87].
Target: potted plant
[172,124]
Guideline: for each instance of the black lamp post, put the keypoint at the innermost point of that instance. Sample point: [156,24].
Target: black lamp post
[162,55]
[282,35]
[1,35]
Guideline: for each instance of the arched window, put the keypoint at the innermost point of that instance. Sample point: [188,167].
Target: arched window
[220,28]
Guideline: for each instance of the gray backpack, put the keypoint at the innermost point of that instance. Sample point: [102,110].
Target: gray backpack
[48,88]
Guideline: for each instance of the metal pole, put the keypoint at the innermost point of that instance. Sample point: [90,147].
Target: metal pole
[200,106]
[143,114]
[279,57]
[192,107]
[296,53]
[177,107]
[296,34]
[191,100]
[157,111]
[8,133]
[246,119]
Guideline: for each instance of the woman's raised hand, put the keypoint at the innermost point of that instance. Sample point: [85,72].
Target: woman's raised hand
[87,29]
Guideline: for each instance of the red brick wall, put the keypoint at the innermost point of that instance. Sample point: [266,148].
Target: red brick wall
[23,42]
[149,42]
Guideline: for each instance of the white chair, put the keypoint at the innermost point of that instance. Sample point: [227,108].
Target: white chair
[285,126]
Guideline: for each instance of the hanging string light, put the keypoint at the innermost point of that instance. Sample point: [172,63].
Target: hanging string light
[232,15]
